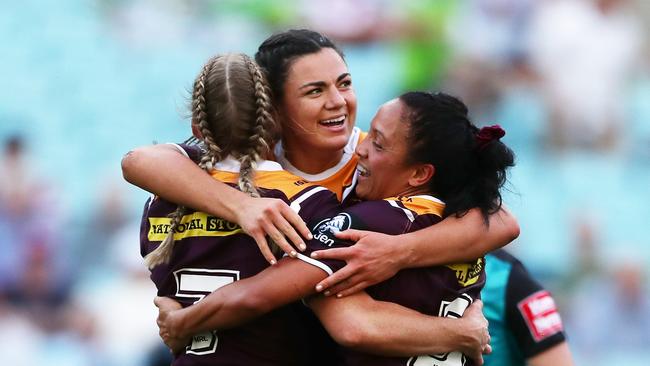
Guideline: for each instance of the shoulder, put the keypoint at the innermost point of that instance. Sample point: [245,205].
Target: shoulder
[418,206]
[193,152]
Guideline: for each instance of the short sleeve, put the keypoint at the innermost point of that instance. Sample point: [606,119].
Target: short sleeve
[194,152]
[531,313]
[324,238]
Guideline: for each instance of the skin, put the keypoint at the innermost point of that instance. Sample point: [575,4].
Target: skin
[382,158]
[381,327]
[319,84]
[558,355]
[318,89]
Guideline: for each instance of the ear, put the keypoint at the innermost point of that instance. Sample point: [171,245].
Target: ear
[421,175]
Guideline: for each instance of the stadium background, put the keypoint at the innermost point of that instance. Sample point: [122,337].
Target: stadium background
[84,81]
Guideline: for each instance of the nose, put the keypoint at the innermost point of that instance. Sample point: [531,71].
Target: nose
[335,100]
[362,148]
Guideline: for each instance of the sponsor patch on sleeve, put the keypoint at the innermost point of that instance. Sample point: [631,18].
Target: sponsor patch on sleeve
[541,315]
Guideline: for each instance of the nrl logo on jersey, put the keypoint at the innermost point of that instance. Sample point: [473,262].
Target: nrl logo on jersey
[324,230]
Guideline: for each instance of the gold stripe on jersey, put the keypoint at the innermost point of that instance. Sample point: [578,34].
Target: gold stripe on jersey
[468,273]
[193,225]
[419,205]
[281,180]
[343,178]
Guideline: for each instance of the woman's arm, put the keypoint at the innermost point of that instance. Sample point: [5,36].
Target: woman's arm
[379,327]
[165,171]
[376,257]
[233,304]
[388,329]
[558,355]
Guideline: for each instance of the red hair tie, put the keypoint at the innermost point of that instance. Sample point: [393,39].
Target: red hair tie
[488,134]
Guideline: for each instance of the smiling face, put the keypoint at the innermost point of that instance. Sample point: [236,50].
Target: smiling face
[319,106]
[383,168]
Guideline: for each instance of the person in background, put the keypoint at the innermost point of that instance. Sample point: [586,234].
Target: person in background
[525,325]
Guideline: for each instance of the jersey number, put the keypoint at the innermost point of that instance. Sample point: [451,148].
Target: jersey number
[197,283]
[450,309]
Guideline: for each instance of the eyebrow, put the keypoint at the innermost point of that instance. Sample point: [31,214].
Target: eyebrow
[379,133]
[322,83]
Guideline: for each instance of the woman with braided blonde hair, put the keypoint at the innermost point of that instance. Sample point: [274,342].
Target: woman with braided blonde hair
[191,253]
[237,125]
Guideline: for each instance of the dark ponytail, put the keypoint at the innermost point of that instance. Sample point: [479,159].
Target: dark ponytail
[470,166]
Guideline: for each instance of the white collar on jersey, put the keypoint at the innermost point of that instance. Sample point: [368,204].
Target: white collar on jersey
[348,152]
[230,164]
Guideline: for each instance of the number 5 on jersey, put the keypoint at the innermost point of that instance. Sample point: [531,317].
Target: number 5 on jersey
[197,283]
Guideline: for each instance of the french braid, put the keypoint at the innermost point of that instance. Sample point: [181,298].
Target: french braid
[258,142]
[162,254]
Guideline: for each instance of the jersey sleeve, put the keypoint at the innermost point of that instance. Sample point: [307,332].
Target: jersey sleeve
[531,313]
[317,205]
[377,216]
[194,152]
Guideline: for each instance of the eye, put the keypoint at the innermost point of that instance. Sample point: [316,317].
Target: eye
[314,91]
[346,83]
[377,145]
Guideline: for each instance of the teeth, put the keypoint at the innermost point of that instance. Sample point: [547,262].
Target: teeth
[362,171]
[334,120]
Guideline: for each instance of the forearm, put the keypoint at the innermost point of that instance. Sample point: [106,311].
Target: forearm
[457,239]
[386,328]
[241,301]
[219,310]
[164,171]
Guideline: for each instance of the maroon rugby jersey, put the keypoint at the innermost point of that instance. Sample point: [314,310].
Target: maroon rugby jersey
[211,252]
[438,291]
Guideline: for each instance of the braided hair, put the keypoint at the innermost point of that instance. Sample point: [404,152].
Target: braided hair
[232,109]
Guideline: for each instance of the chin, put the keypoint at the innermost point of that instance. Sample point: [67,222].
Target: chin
[335,143]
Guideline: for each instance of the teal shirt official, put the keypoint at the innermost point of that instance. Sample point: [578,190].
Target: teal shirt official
[508,290]
[505,350]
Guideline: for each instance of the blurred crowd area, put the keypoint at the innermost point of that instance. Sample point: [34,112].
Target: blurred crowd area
[84,81]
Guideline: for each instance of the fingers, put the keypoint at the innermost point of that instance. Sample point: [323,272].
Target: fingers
[334,253]
[334,279]
[297,224]
[279,239]
[351,234]
[476,356]
[478,304]
[165,303]
[347,288]
[487,350]
[260,239]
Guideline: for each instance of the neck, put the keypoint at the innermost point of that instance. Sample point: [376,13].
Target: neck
[414,191]
[312,162]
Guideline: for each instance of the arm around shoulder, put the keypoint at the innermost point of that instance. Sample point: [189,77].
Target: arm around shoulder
[167,172]
[458,239]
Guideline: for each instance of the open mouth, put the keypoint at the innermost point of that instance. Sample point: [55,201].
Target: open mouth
[363,171]
[333,122]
